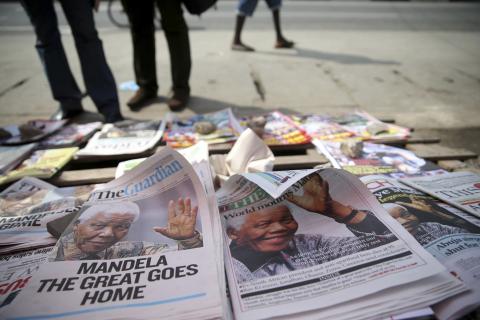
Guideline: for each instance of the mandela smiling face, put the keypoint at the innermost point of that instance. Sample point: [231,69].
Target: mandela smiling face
[101,231]
[267,230]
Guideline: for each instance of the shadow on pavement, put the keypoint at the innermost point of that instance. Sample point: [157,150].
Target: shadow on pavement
[341,58]
[201,105]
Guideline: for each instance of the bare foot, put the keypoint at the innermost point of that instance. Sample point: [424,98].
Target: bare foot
[239,46]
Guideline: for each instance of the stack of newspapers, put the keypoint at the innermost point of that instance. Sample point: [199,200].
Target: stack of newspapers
[317,245]
[306,244]
[144,246]
[28,205]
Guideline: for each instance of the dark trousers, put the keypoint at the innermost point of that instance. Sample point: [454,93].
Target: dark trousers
[97,76]
[141,16]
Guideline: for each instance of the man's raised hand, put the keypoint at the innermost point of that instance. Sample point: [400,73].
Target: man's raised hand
[181,220]
[315,198]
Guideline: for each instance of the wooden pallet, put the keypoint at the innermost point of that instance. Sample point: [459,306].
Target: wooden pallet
[309,158]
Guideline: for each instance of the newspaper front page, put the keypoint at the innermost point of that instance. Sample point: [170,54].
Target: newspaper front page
[142,246]
[460,189]
[128,137]
[323,242]
[450,235]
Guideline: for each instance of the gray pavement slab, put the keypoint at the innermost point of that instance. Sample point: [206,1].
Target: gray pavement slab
[426,79]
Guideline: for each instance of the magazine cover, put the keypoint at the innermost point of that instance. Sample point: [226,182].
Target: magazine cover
[33,130]
[322,127]
[126,137]
[41,164]
[142,246]
[10,157]
[450,235]
[321,243]
[215,127]
[376,158]
[280,129]
[71,135]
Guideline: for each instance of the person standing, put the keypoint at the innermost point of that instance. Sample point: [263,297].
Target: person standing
[142,28]
[245,9]
[97,75]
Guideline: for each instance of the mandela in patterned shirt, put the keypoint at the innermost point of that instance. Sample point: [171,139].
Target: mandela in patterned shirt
[264,242]
[98,232]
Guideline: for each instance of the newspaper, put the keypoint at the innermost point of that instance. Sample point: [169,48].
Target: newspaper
[127,137]
[71,135]
[16,271]
[41,164]
[377,159]
[451,236]
[248,154]
[29,230]
[33,130]
[367,127]
[10,157]
[23,195]
[31,195]
[142,246]
[323,248]
[460,189]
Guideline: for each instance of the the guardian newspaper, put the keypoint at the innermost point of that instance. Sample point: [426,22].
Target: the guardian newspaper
[141,246]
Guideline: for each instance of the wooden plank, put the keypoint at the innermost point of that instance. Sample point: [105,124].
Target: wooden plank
[102,175]
[436,152]
[414,138]
[307,161]
[81,177]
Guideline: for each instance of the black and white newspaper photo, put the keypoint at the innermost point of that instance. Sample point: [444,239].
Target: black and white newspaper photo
[450,235]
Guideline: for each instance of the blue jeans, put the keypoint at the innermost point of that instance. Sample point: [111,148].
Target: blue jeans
[247,7]
[98,78]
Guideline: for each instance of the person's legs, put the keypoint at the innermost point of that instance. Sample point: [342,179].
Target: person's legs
[281,41]
[52,55]
[97,75]
[245,8]
[140,15]
[176,33]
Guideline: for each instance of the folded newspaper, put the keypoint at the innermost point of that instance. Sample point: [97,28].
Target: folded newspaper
[460,189]
[128,137]
[313,245]
[71,135]
[449,234]
[33,130]
[143,246]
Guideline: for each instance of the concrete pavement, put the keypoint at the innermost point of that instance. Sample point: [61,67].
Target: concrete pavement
[429,80]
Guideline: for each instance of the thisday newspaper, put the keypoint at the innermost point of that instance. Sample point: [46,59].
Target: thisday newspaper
[142,245]
[318,244]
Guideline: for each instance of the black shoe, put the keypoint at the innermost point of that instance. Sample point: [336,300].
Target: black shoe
[61,114]
[178,100]
[140,99]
